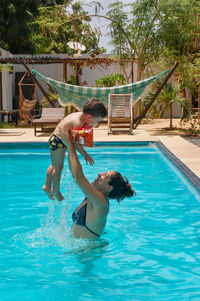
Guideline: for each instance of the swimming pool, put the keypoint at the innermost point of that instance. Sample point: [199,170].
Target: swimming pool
[151,246]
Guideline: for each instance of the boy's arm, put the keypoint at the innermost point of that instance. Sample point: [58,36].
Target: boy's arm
[82,151]
[66,136]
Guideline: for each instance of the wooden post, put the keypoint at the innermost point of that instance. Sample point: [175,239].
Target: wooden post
[39,86]
[140,117]
[1,100]
[140,106]
[132,72]
[170,114]
[65,72]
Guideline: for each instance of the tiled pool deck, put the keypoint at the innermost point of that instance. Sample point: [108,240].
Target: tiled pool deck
[186,152]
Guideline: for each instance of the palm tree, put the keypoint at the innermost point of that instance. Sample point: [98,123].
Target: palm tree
[169,95]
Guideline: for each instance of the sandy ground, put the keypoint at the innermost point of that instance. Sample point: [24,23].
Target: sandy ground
[160,127]
[155,127]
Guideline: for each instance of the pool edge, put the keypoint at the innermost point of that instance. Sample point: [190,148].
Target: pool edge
[191,176]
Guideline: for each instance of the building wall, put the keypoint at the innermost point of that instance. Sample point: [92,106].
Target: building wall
[7,91]
[91,75]
[55,71]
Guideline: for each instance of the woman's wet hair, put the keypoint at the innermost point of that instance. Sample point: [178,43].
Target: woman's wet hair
[95,108]
[121,187]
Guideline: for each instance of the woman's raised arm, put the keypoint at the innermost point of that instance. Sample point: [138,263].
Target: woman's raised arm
[96,197]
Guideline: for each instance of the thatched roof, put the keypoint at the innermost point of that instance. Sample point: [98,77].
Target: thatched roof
[39,59]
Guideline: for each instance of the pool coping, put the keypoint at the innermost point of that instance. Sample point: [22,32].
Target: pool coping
[193,178]
[190,175]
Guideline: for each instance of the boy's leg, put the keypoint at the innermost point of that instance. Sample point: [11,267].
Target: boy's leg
[57,159]
[47,185]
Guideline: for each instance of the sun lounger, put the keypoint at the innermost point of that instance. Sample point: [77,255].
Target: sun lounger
[49,119]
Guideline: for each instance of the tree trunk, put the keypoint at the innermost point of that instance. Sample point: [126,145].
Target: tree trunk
[199,103]
[170,115]
[140,71]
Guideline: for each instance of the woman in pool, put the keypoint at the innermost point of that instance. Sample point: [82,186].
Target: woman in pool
[89,219]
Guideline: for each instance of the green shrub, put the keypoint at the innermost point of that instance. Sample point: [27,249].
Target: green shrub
[5,125]
[111,80]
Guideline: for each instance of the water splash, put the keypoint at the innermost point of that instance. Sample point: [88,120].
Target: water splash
[57,222]
[55,228]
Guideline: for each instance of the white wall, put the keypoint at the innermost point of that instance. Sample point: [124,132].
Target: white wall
[7,79]
[176,111]
[91,75]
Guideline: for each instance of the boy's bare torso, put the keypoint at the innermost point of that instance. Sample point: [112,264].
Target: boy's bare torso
[72,121]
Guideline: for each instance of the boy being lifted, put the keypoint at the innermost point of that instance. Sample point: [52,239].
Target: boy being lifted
[93,112]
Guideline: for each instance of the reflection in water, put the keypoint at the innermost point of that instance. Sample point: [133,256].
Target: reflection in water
[88,256]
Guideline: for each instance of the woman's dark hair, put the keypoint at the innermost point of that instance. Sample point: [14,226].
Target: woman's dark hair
[95,108]
[121,187]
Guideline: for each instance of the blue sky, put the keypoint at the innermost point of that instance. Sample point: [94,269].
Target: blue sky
[102,23]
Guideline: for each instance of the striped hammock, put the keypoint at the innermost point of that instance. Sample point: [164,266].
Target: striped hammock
[80,94]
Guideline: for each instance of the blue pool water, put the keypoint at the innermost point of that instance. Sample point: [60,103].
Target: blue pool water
[150,249]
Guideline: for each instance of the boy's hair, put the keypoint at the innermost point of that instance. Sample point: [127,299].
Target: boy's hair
[95,108]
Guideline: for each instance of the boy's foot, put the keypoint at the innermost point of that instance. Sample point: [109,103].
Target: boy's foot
[58,196]
[48,192]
